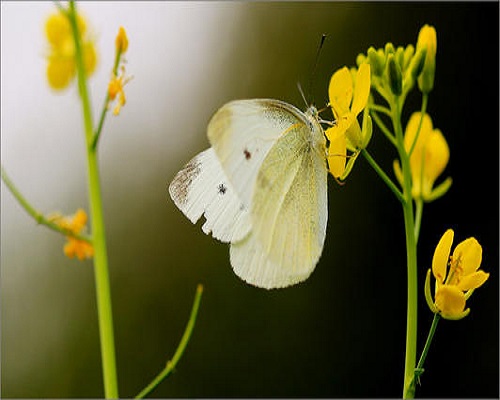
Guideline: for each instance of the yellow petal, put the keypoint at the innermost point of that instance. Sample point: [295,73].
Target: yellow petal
[441,256]
[57,29]
[397,171]
[473,281]
[411,131]
[340,92]
[450,300]
[89,58]
[361,89]
[60,72]
[337,154]
[437,154]
[354,135]
[469,252]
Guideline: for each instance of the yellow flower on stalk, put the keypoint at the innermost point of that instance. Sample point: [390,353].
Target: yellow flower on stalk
[61,67]
[116,84]
[348,98]
[75,223]
[454,285]
[115,90]
[428,159]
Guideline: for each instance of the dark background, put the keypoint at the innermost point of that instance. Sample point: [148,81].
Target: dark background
[342,332]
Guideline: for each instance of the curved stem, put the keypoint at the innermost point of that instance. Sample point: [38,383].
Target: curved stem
[388,134]
[103,291]
[169,368]
[383,175]
[420,366]
[105,107]
[38,216]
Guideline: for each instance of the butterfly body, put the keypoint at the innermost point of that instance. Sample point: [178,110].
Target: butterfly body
[262,186]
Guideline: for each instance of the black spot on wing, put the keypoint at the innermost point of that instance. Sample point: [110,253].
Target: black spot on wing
[221,189]
[247,154]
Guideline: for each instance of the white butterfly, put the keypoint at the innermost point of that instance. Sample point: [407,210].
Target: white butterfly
[262,187]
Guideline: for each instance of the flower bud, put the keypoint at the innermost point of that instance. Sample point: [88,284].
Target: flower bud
[121,41]
[427,40]
[417,63]
[408,56]
[377,61]
[395,75]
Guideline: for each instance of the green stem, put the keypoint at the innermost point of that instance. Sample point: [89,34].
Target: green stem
[38,216]
[379,108]
[383,175]
[411,257]
[105,108]
[169,368]
[388,134]
[420,366]
[101,273]
[423,109]
[418,217]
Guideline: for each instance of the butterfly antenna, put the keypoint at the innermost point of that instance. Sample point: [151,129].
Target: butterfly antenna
[299,86]
[316,59]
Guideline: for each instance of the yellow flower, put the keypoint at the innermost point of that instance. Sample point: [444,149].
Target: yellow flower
[75,223]
[427,161]
[61,67]
[115,89]
[427,39]
[456,284]
[347,100]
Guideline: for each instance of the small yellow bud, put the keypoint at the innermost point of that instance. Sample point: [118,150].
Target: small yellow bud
[427,40]
[121,41]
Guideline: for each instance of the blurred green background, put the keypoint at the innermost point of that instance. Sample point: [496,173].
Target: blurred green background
[339,334]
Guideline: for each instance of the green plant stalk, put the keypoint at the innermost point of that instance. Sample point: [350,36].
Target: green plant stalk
[101,274]
[169,368]
[423,110]
[420,366]
[38,216]
[411,257]
[383,175]
[104,111]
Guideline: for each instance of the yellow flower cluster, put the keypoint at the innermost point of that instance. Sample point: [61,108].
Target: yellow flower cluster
[395,70]
[61,67]
[454,285]
[75,224]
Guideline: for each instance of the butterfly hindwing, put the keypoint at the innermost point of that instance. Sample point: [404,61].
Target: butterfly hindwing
[202,188]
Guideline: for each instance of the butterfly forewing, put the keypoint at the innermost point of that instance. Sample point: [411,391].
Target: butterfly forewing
[288,211]
[242,132]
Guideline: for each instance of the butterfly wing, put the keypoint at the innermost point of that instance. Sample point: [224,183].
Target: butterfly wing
[288,209]
[242,132]
[202,188]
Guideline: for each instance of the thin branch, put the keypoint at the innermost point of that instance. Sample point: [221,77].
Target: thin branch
[38,216]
